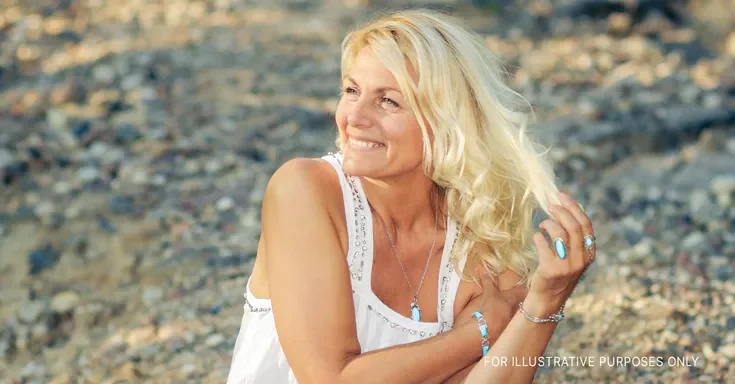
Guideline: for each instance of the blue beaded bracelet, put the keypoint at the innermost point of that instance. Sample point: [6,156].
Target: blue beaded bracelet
[483,331]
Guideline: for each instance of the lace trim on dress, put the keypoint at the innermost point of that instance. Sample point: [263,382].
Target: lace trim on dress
[446,279]
[253,308]
[395,325]
[361,248]
[360,245]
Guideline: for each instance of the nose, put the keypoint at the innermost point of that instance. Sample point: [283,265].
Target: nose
[359,115]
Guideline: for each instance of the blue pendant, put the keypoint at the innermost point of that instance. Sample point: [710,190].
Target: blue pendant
[415,312]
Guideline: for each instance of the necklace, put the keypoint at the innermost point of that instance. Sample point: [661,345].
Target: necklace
[415,310]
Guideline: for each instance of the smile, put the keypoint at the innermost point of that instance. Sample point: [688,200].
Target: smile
[359,144]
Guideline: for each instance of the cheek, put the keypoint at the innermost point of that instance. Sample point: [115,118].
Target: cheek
[406,139]
[340,116]
[413,136]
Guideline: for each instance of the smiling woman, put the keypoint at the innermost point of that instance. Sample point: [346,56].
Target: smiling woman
[404,257]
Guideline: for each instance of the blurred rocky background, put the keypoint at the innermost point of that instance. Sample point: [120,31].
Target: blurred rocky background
[137,137]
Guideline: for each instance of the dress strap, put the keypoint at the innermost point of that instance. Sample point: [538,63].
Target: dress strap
[355,215]
[449,279]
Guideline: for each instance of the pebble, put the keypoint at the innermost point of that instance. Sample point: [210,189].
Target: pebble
[89,174]
[6,158]
[65,302]
[225,204]
[728,351]
[723,187]
[30,312]
[703,209]
[214,340]
[695,241]
[152,295]
[42,258]
[133,183]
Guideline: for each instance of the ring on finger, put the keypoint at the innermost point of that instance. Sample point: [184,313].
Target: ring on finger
[589,242]
[560,247]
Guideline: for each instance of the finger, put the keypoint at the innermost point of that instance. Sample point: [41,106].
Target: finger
[549,266]
[577,254]
[576,210]
[556,231]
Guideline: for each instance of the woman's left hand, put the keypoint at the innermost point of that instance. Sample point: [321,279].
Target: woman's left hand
[563,262]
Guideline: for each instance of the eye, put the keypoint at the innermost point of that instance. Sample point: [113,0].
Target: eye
[349,90]
[391,102]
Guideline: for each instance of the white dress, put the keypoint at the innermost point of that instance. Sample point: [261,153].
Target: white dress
[258,357]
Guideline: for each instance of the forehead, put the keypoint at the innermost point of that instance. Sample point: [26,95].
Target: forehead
[367,67]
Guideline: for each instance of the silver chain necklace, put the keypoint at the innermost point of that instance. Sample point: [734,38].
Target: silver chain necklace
[415,310]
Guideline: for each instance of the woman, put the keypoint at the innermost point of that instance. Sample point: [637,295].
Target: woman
[403,257]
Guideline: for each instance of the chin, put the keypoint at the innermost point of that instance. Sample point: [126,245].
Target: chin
[359,163]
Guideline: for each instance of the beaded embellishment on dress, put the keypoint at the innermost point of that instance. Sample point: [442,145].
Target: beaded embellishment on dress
[359,252]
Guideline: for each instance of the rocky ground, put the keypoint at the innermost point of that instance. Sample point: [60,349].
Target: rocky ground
[137,137]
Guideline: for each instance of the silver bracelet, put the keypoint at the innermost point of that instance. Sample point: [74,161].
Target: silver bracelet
[553,318]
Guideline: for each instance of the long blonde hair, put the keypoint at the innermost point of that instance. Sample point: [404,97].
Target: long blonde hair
[493,174]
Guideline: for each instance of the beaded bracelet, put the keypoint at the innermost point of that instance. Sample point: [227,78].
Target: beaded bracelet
[483,331]
[553,318]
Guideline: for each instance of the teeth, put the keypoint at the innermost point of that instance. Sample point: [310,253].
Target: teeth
[364,144]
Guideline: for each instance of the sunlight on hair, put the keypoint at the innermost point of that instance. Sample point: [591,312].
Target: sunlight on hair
[476,145]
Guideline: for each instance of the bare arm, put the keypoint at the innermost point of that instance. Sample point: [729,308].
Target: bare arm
[522,338]
[312,302]
[499,307]
[551,285]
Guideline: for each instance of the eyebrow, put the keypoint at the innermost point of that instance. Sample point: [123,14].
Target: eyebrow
[381,89]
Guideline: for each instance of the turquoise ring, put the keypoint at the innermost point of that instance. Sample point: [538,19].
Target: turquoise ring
[560,247]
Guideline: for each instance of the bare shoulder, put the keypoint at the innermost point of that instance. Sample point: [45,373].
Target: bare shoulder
[299,191]
[305,184]
[303,178]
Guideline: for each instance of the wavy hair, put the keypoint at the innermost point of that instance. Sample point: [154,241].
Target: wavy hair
[478,152]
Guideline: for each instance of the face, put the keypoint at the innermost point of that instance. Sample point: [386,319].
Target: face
[379,135]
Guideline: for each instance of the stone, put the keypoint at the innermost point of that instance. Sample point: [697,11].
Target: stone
[89,173]
[152,295]
[225,204]
[728,351]
[703,209]
[30,312]
[65,302]
[561,249]
[42,258]
[730,44]
[214,340]
[415,312]
[122,205]
[723,186]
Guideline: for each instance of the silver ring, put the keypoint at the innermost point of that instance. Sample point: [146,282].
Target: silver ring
[561,248]
[589,241]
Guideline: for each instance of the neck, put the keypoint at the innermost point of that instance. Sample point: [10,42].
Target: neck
[406,205]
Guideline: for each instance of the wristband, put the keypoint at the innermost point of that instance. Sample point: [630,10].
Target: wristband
[483,331]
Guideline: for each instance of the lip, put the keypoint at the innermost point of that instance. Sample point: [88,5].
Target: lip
[364,139]
[364,149]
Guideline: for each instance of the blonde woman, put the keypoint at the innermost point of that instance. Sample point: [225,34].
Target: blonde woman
[404,257]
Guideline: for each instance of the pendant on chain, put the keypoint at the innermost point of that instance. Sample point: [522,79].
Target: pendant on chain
[415,311]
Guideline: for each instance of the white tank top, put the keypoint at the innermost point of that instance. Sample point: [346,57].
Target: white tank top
[258,357]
